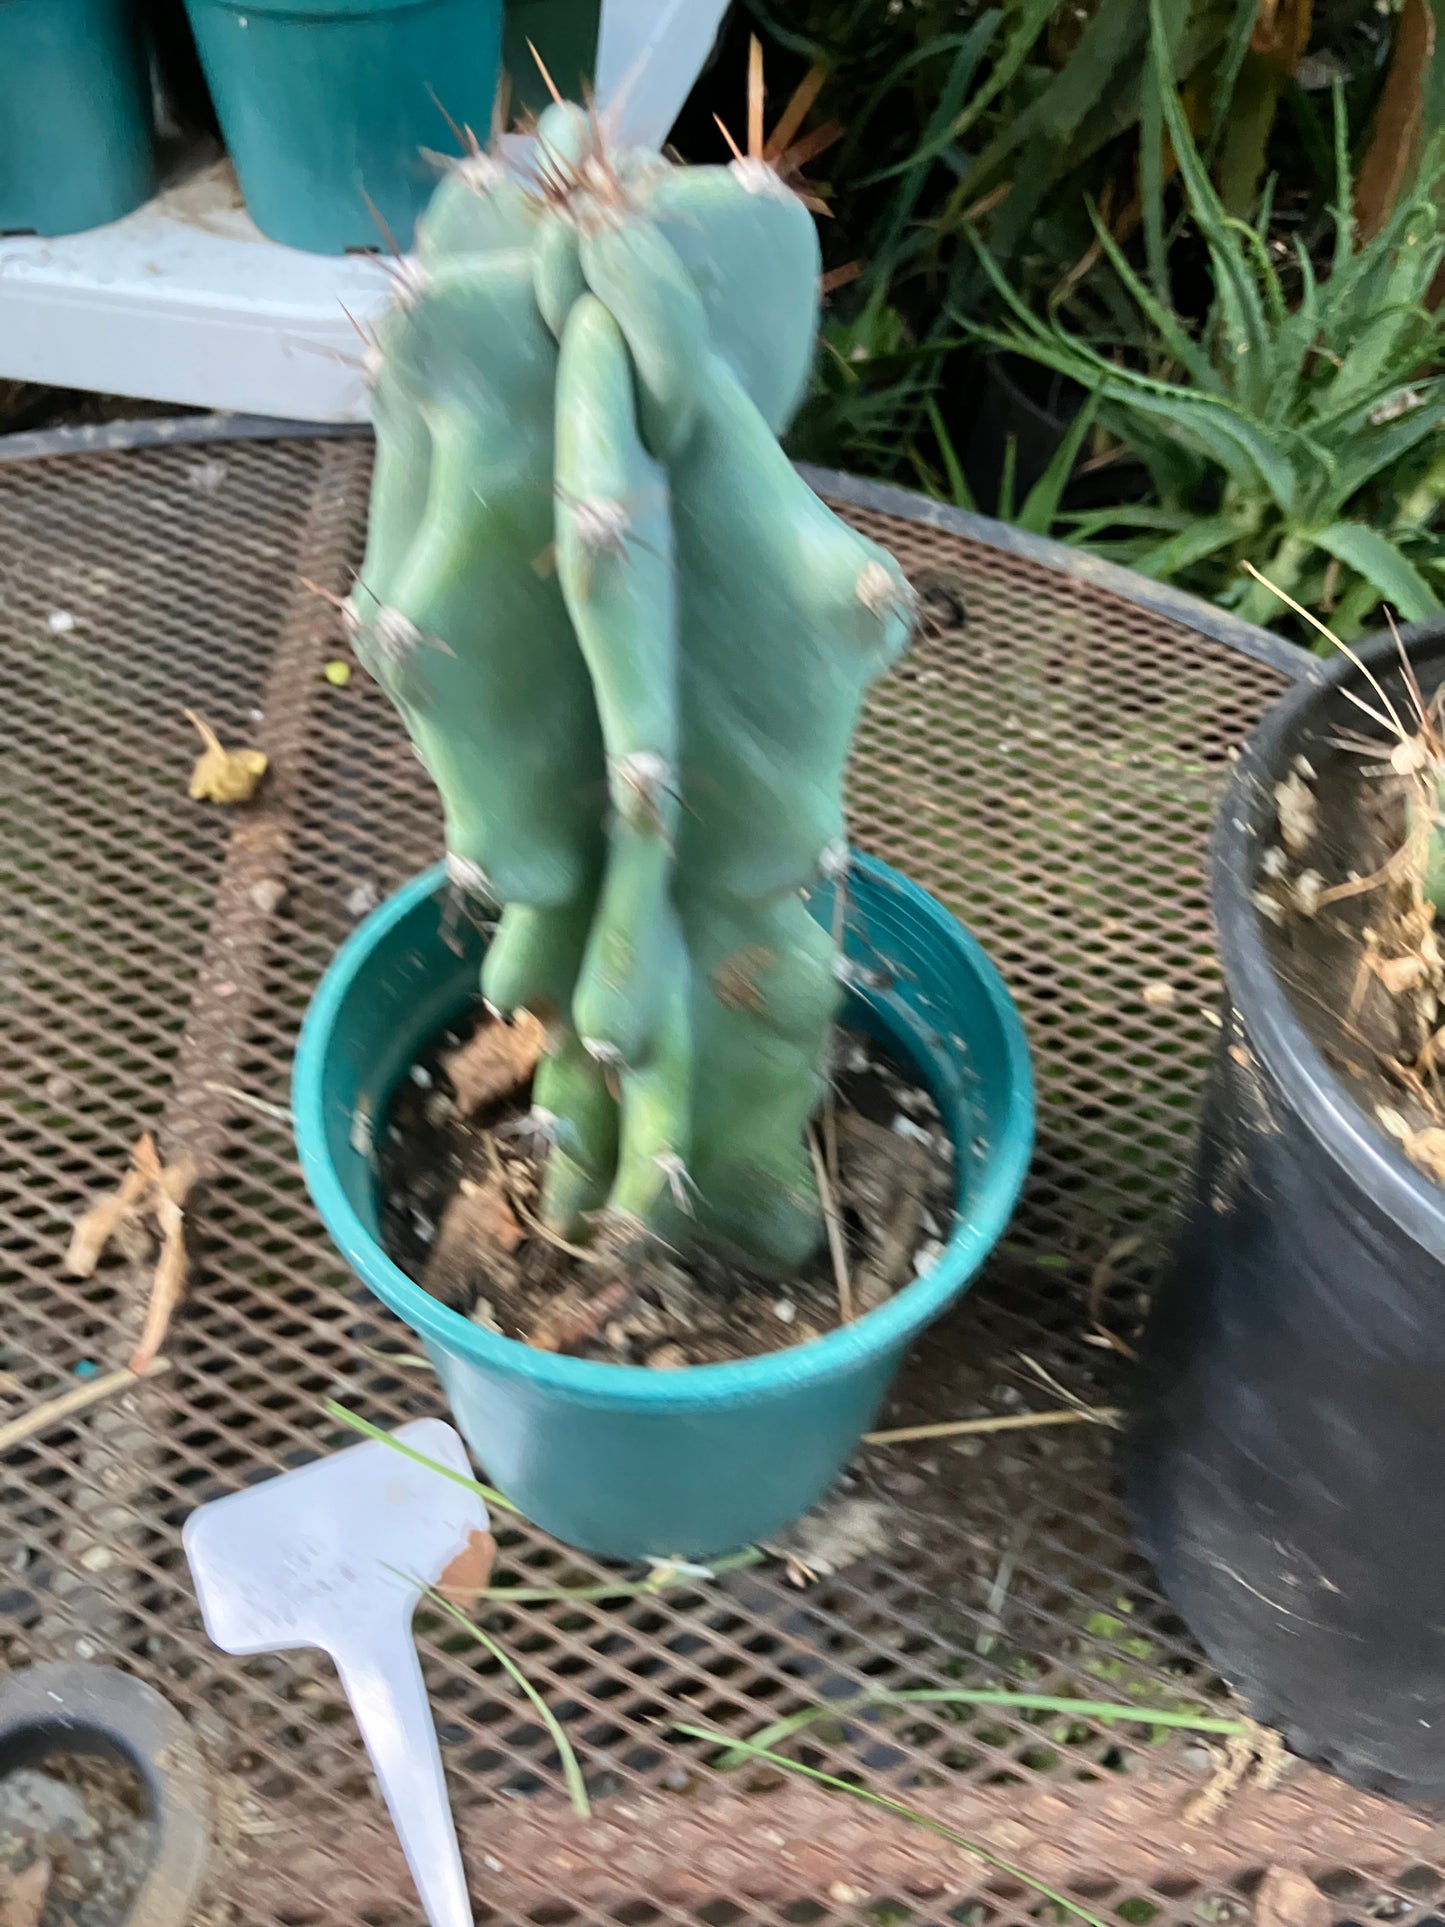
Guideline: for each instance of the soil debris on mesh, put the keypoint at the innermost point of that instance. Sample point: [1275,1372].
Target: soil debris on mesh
[75,1843]
[461,1189]
[837,1533]
[1347,890]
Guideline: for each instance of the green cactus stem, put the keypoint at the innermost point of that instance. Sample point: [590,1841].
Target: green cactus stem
[630,645]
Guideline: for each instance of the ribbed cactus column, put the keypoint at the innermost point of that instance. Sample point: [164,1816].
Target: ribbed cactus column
[630,646]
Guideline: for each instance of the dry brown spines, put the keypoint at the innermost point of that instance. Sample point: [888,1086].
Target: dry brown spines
[586,190]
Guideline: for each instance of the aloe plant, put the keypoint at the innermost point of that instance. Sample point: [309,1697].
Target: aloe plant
[1299,430]
[1003,116]
[629,644]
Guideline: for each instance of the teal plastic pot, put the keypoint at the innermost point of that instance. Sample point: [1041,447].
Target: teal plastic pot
[328,103]
[617,1459]
[75,114]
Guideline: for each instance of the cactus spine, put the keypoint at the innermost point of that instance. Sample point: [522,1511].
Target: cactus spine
[630,647]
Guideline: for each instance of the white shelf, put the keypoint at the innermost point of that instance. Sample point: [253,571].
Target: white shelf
[187,301]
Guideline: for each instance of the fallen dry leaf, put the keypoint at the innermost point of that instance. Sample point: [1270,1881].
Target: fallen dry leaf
[491,1212]
[1281,31]
[100,1222]
[148,1186]
[494,1063]
[1286,1897]
[23,1895]
[168,1282]
[1399,974]
[470,1572]
[224,775]
[1391,156]
[476,1237]
[572,1318]
[168,1190]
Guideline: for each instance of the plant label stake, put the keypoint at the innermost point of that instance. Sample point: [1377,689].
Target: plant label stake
[336,1556]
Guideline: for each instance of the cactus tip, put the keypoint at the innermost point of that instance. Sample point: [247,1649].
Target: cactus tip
[758,176]
[834,860]
[641,785]
[409,283]
[482,173]
[679,1180]
[468,877]
[878,589]
[602,524]
[397,636]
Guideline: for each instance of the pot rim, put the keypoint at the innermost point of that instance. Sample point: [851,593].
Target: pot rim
[836,1354]
[1316,1092]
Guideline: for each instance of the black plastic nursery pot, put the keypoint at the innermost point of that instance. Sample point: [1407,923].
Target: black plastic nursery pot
[50,1711]
[1287,1457]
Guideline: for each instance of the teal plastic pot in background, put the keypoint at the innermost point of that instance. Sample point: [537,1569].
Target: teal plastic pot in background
[326,103]
[617,1459]
[75,114]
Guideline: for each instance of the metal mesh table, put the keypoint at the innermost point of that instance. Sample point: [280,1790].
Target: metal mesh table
[1046,761]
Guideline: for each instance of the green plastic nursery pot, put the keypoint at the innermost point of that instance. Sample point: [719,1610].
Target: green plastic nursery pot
[327,105]
[75,114]
[618,1459]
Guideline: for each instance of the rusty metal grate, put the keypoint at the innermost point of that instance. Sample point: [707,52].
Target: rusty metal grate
[1046,761]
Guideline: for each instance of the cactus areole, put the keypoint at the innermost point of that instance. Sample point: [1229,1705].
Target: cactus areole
[630,645]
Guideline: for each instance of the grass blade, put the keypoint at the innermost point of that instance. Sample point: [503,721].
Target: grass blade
[1172,332]
[785,1728]
[333,1410]
[907,1813]
[1196,543]
[1033,18]
[1381,562]
[1236,46]
[1007,479]
[1041,504]
[571,1770]
[661,1580]
[957,481]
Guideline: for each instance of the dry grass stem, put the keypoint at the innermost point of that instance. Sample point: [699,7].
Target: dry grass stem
[836,1247]
[41,1417]
[957,1428]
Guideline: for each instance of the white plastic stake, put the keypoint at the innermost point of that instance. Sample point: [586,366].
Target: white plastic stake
[316,1558]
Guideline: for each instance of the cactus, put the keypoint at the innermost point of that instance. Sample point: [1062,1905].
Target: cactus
[630,644]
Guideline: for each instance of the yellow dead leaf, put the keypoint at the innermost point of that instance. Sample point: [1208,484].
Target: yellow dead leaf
[224,775]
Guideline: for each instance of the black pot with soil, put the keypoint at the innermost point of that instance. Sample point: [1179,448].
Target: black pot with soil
[1287,1458]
